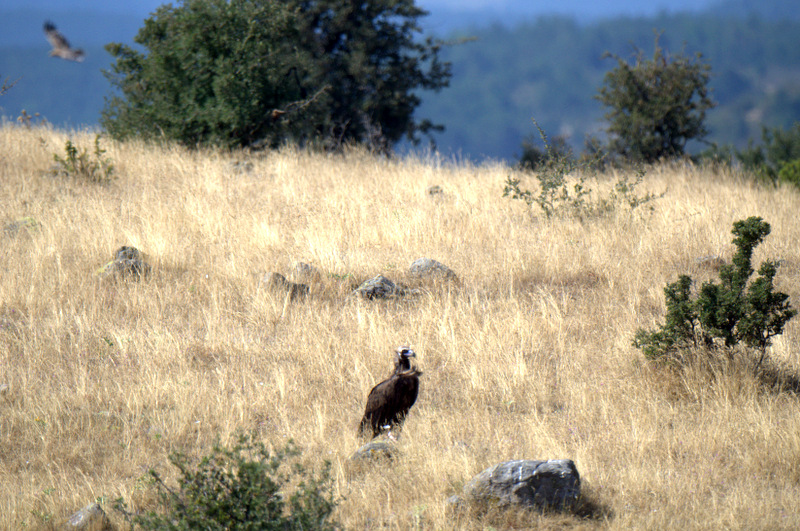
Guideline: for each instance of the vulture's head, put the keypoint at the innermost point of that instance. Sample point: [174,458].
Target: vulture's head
[404,355]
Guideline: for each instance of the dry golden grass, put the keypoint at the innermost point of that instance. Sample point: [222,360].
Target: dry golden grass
[530,357]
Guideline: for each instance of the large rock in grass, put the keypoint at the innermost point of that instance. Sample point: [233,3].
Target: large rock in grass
[90,518]
[524,484]
[429,268]
[128,263]
[379,287]
[375,451]
[374,455]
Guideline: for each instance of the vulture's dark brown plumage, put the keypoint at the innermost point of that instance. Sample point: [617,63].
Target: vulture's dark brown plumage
[389,401]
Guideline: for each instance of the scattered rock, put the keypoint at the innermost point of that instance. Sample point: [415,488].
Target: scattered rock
[28,224]
[379,287]
[375,450]
[435,190]
[522,483]
[128,262]
[371,455]
[305,271]
[90,518]
[278,283]
[429,268]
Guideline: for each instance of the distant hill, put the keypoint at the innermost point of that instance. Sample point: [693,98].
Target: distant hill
[768,9]
[551,69]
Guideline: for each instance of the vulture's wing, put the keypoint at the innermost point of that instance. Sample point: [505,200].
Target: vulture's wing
[60,44]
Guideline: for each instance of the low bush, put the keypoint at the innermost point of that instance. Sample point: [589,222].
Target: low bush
[558,196]
[81,164]
[734,312]
[244,487]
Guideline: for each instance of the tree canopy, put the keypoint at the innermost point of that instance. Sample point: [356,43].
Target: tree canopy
[656,105]
[245,72]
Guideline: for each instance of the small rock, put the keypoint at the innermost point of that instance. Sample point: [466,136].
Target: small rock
[302,270]
[128,262]
[29,224]
[523,483]
[278,283]
[379,287]
[90,518]
[371,455]
[375,450]
[429,268]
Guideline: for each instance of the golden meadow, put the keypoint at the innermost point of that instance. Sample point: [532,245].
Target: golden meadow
[529,356]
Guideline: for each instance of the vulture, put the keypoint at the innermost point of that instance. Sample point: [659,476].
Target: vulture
[61,47]
[389,401]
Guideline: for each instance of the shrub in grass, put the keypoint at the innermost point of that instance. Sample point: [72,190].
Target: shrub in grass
[735,311]
[244,487]
[82,164]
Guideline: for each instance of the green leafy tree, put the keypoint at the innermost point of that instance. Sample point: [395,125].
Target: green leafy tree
[374,63]
[249,72]
[656,105]
[212,73]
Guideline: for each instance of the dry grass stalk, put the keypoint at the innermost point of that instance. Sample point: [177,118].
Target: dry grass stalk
[530,357]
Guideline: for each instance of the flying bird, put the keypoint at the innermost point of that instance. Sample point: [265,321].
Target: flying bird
[61,47]
[388,402]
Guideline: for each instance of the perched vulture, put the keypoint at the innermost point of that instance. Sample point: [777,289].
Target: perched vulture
[61,47]
[389,401]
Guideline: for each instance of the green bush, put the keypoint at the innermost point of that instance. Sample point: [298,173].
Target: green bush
[80,163]
[733,311]
[558,197]
[790,173]
[778,148]
[656,105]
[243,488]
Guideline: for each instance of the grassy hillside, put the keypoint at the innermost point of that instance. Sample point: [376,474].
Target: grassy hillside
[529,357]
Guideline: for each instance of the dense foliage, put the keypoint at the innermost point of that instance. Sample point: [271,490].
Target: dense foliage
[776,158]
[241,488]
[655,106]
[212,73]
[240,72]
[373,64]
[735,310]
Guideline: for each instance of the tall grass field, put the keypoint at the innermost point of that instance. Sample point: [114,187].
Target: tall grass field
[528,355]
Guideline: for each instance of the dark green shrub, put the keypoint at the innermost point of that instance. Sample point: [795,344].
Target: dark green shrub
[790,173]
[243,488]
[656,105]
[732,310]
